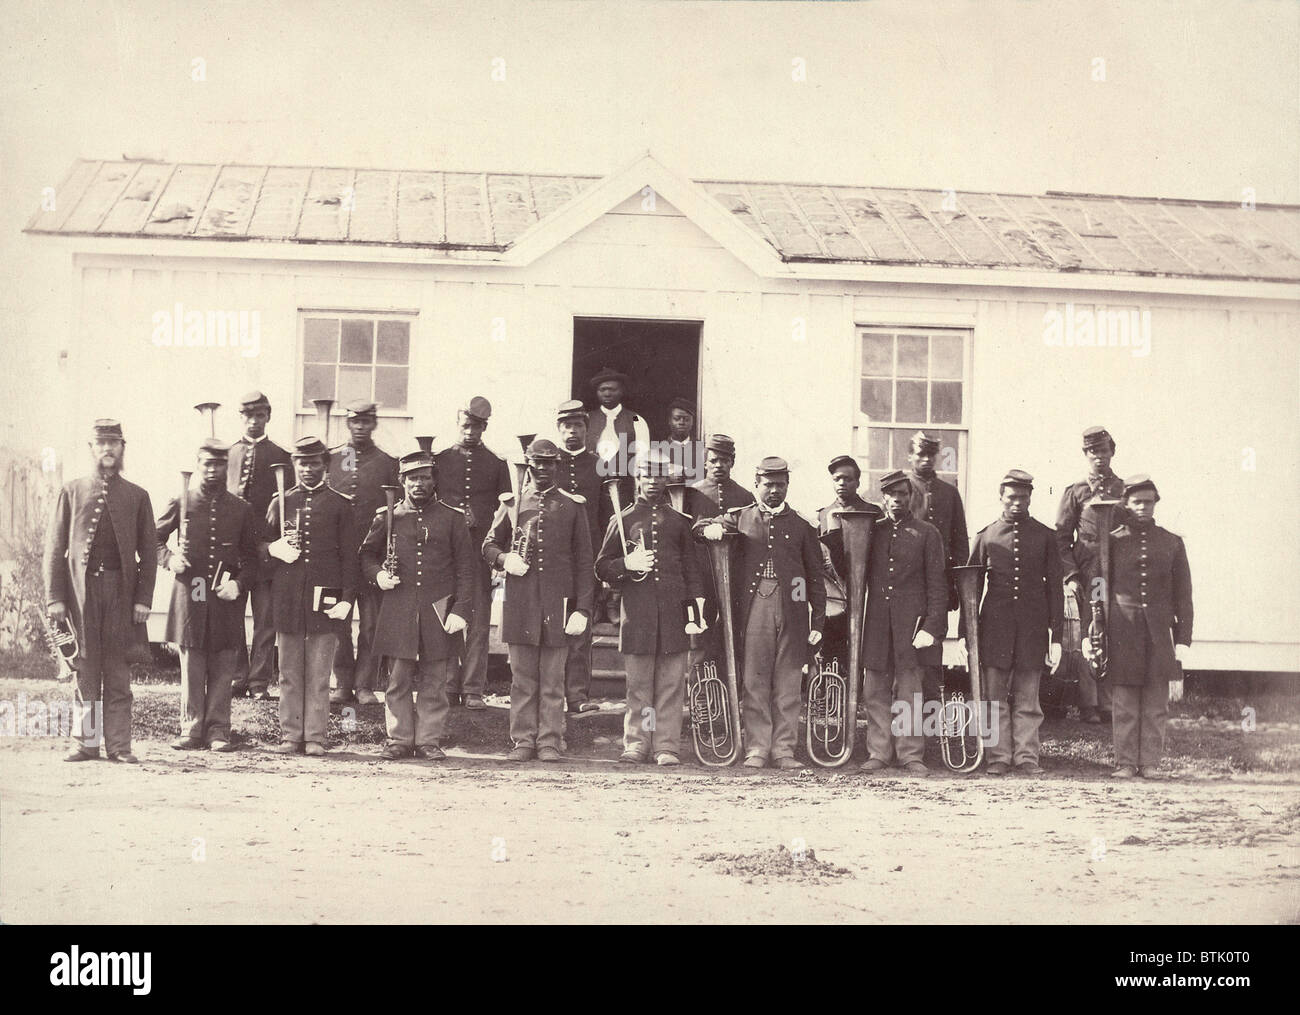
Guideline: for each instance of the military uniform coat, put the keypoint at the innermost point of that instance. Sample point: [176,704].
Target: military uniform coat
[796,555]
[1151,604]
[219,530]
[726,495]
[944,510]
[1023,597]
[828,529]
[435,558]
[577,473]
[559,562]
[653,611]
[473,479]
[362,475]
[1076,529]
[81,508]
[905,580]
[328,557]
[249,474]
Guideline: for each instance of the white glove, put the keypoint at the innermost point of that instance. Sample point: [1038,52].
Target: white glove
[1085,647]
[639,559]
[1054,655]
[814,638]
[713,531]
[703,625]
[1180,653]
[963,655]
[339,611]
[387,581]
[455,624]
[281,550]
[514,564]
[228,590]
[177,564]
[576,625]
[923,639]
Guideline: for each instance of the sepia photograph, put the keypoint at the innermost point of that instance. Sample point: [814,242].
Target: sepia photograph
[651,463]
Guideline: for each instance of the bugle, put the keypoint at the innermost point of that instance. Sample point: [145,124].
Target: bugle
[714,702]
[1098,597]
[959,715]
[209,409]
[391,494]
[832,719]
[617,501]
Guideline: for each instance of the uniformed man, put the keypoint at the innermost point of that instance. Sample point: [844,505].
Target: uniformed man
[1149,628]
[1076,539]
[717,484]
[907,618]
[545,551]
[682,448]
[1020,623]
[846,476]
[99,567]
[313,588]
[249,476]
[360,471]
[214,564]
[780,608]
[576,474]
[660,609]
[423,603]
[472,478]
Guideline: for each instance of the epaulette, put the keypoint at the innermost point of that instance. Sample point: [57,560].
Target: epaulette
[577,498]
[737,509]
[345,496]
[381,510]
[452,506]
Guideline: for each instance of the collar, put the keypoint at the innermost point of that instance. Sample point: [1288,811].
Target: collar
[467,449]
[1012,521]
[252,440]
[312,489]
[611,413]
[904,515]
[658,502]
[572,454]
[853,501]
[778,510]
[924,479]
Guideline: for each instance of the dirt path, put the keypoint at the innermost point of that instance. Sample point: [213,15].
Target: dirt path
[352,839]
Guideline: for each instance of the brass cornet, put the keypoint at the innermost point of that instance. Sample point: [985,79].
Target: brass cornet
[61,639]
[391,493]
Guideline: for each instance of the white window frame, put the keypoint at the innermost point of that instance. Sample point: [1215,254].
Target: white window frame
[409,316]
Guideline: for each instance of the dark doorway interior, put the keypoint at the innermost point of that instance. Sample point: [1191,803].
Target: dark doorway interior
[660,358]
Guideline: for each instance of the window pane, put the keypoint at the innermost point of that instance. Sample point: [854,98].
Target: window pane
[358,343]
[878,400]
[394,342]
[320,340]
[945,356]
[911,402]
[946,459]
[354,383]
[945,402]
[901,444]
[878,355]
[878,447]
[317,382]
[390,387]
[912,353]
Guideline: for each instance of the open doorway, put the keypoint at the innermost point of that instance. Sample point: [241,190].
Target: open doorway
[661,360]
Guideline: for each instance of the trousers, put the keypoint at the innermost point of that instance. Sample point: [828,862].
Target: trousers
[1014,737]
[537,695]
[1091,693]
[880,688]
[205,693]
[656,690]
[103,715]
[469,676]
[1139,724]
[357,672]
[577,669]
[415,703]
[773,666]
[255,666]
[304,685]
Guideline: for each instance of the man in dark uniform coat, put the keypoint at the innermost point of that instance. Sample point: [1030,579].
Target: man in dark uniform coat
[576,474]
[907,618]
[472,478]
[717,484]
[1020,622]
[1149,627]
[249,476]
[780,608]
[1076,539]
[422,606]
[360,471]
[545,551]
[215,560]
[846,475]
[654,623]
[99,567]
[682,449]
[317,561]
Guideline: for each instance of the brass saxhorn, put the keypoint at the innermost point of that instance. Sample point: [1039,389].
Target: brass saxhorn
[323,407]
[963,750]
[209,409]
[628,547]
[1099,597]
[714,702]
[832,719]
[61,639]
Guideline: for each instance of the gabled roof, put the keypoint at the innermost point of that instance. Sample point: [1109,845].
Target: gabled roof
[773,227]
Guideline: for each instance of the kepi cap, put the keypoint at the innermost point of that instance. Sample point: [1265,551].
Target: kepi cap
[306,447]
[109,429]
[413,460]
[542,450]
[251,400]
[922,442]
[683,404]
[211,447]
[360,407]
[892,479]
[478,408]
[1019,478]
[839,460]
[654,463]
[1095,436]
[608,374]
[721,444]
[1138,482]
[771,466]
[572,409]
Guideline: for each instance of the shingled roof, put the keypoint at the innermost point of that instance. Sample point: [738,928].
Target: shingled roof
[801,222]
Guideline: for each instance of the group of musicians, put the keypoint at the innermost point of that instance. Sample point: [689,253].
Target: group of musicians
[585,529]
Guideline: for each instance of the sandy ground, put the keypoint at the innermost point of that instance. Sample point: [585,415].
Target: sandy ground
[253,837]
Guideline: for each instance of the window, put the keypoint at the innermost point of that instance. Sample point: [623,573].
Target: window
[911,379]
[346,356]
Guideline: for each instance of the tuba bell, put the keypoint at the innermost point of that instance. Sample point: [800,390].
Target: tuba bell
[832,719]
[714,703]
[209,409]
[960,741]
[1098,651]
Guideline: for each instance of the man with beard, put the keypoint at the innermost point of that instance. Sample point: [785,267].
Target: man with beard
[215,562]
[577,475]
[472,478]
[360,470]
[249,476]
[423,603]
[99,567]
